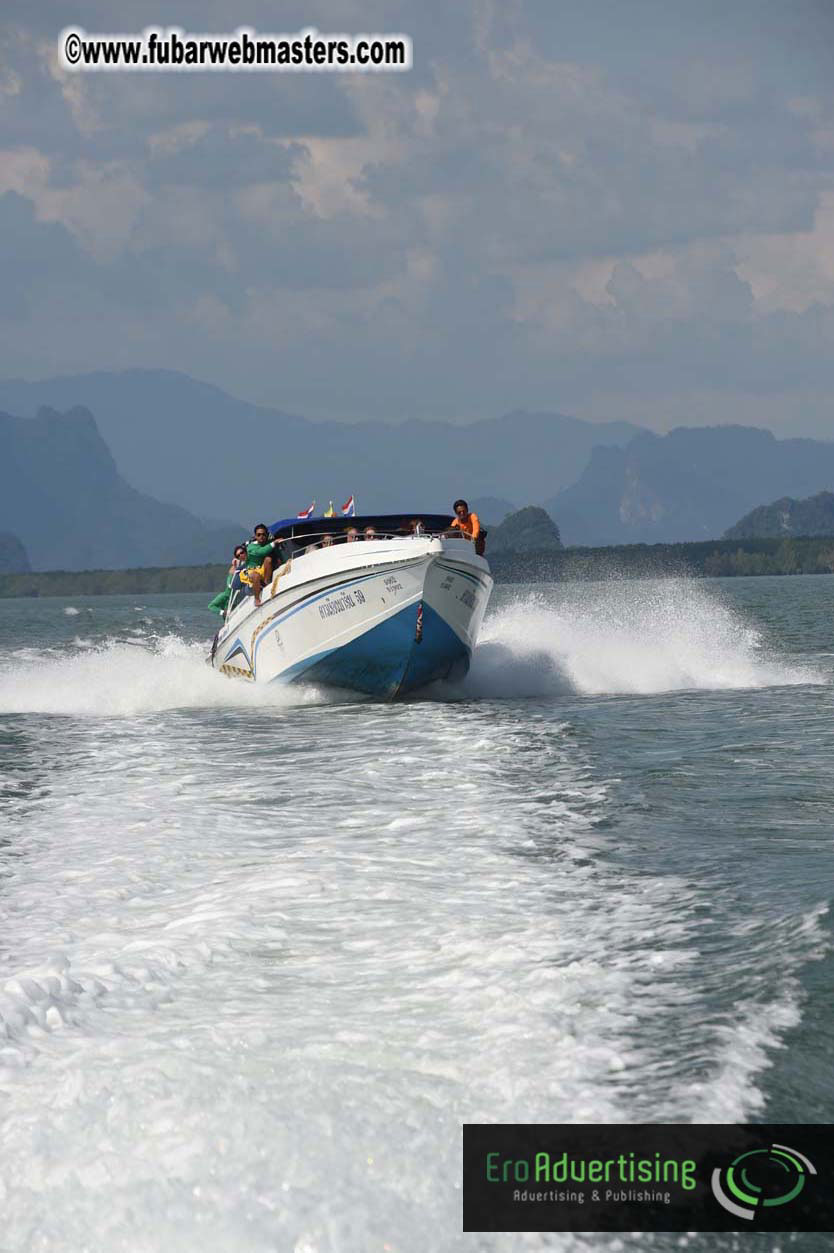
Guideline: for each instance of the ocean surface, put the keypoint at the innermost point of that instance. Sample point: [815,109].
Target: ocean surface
[263,953]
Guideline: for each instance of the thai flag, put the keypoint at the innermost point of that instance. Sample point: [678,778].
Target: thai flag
[349,508]
[307,513]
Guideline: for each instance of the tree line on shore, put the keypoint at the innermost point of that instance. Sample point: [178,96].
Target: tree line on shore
[704,559]
[701,559]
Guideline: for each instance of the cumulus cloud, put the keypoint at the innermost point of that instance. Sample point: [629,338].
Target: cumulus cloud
[622,206]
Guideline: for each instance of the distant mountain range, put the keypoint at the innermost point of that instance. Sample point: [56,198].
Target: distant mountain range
[61,493]
[192,444]
[691,484]
[786,518]
[81,491]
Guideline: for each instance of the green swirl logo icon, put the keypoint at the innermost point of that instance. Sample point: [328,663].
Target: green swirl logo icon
[761,1178]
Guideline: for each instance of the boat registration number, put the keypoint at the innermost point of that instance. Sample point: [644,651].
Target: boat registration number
[340,604]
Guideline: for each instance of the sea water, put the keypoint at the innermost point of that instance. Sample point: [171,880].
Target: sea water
[262,952]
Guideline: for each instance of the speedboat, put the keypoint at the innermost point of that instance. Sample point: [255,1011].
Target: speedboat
[384,615]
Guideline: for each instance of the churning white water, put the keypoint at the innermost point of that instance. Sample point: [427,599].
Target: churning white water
[263,953]
[608,639]
[640,638]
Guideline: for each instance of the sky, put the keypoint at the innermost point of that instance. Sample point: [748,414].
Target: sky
[615,209]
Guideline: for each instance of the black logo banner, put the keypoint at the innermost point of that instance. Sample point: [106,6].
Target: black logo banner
[648,1177]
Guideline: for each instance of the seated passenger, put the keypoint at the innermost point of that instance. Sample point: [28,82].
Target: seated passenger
[260,555]
[221,600]
[415,528]
[370,533]
[324,542]
[351,535]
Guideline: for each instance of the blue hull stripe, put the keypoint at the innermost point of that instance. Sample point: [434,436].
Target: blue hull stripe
[283,615]
[305,604]
[387,660]
[238,649]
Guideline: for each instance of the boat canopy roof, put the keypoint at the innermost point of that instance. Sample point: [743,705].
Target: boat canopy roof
[385,523]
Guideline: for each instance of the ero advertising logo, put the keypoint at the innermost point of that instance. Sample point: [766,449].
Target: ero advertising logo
[761,1177]
[648,1177]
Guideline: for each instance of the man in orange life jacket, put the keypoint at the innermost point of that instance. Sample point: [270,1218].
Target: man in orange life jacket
[468,524]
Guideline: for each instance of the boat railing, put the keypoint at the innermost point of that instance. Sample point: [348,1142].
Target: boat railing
[338,539]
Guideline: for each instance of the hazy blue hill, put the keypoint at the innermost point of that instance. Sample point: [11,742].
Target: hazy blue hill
[528,530]
[787,517]
[691,484]
[491,509]
[13,557]
[190,443]
[60,490]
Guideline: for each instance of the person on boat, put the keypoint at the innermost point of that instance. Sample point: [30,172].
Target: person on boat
[469,526]
[370,532]
[415,528]
[466,522]
[221,600]
[260,555]
[351,535]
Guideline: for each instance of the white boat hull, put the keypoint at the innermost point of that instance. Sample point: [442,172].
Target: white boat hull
[384,617]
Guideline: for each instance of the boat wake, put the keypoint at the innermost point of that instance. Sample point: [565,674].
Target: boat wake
[624,638]
[120,678]
[601,639]
[429,914]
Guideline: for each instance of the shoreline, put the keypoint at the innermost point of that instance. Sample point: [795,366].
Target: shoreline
[697,559]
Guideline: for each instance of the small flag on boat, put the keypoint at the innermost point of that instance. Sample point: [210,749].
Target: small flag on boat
[307,513]
[330,511]
[349,508]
